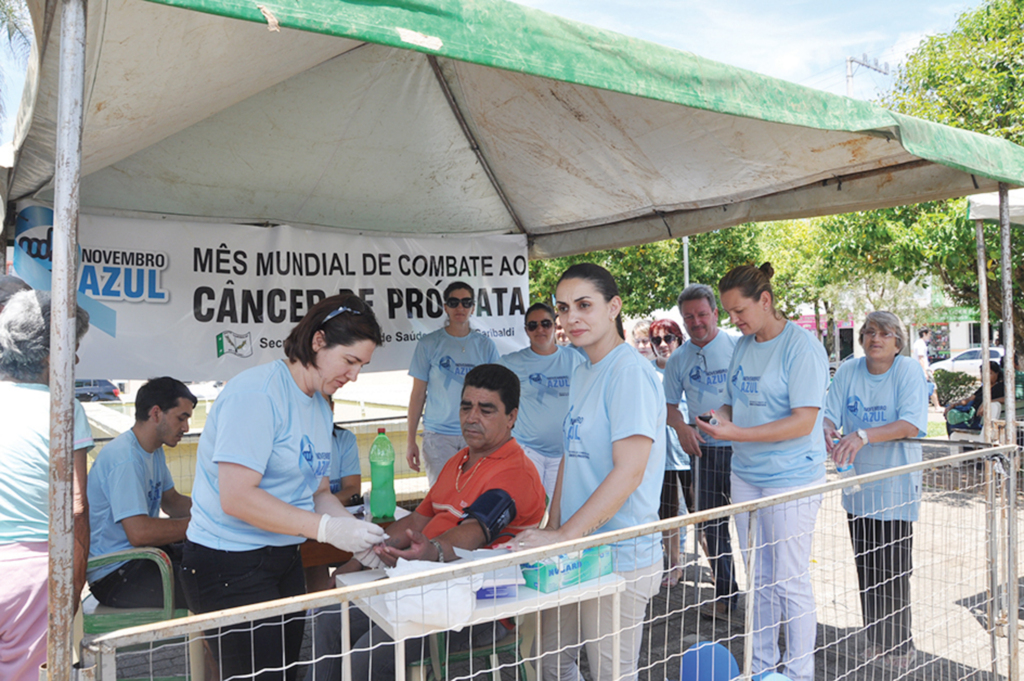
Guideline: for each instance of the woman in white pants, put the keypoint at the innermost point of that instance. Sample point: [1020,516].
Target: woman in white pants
[773,416]
[610,477]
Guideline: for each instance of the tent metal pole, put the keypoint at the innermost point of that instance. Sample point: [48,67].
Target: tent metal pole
[1010,437]
[979,238]
[61,588]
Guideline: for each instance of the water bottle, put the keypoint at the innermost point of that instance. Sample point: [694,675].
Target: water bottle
[382,477]
[845,472]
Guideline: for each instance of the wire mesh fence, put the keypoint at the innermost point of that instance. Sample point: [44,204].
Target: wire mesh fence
[822,593]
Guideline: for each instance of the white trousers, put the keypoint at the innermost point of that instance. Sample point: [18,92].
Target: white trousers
[436,451]
[590,622]
[547,468]
[782,579]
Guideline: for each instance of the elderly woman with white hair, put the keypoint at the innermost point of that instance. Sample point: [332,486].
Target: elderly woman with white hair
[25,484]
[877,400]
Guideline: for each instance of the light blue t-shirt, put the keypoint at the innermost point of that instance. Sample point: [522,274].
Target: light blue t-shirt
[675,458]
[25,460]
[543,397]
[616,398]
[766,382]
[124,481]
[698,376]
[442,360]
[264,422]
[859,399]
[344,457]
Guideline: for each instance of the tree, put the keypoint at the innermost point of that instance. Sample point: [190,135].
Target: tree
[970,78]
[650,276]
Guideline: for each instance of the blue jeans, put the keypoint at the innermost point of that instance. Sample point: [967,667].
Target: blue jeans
[214,580]
[713,491]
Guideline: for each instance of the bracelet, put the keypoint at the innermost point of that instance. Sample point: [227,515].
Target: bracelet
[440,551]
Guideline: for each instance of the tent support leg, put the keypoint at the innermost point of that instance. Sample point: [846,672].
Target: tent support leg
[979,238]
[62,338]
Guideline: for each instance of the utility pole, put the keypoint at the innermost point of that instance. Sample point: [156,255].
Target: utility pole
[850,61]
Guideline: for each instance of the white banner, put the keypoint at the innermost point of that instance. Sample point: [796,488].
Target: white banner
[202,301]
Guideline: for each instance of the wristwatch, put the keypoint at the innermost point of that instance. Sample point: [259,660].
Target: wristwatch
[440,550]
[863,435]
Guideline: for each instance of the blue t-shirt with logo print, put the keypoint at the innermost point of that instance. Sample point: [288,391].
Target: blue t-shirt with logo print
[443,360]
[543,396]
[766,382]
[675,458]
[859,399]
[262,421]
[344,457]
[124,481]
[612,400]
[697,377]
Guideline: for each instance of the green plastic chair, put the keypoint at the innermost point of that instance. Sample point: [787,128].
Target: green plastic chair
[102,619]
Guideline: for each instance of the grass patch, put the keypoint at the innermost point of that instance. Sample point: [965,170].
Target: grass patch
[936,429]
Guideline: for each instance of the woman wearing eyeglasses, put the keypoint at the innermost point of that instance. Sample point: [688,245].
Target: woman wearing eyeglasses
[876,399]
[545,371]
[666,337]
[262,488]
[439,365]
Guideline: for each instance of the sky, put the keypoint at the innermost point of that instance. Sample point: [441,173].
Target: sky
[802,42]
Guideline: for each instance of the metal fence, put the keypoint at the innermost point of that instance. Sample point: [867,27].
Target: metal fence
[961,614]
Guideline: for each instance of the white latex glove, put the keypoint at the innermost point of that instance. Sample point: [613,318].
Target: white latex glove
[369,559]
[348,534]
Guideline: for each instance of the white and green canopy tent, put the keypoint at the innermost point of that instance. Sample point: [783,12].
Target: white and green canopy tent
[461,117]
[454,117]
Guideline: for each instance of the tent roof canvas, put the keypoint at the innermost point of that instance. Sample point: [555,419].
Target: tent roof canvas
[461,118]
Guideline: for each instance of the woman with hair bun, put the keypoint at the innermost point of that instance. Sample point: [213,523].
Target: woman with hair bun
[262,487]
[773,416]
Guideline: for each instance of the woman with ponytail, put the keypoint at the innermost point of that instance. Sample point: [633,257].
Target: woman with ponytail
[610,477]
[773,416]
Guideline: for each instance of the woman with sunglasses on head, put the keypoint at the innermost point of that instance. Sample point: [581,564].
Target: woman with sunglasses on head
[610,476]
[666,337]
[876,399]
[439,364]
[773,414]
[262,488]
[545,371]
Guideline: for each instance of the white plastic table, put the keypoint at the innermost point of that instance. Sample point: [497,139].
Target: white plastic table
[526,602]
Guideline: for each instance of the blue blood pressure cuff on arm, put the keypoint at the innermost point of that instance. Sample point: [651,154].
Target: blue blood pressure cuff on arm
[494,510]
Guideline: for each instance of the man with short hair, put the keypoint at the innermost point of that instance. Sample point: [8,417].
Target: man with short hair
[486,493]
[129,485]
[699,370]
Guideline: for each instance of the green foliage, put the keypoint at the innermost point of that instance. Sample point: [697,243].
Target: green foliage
[954,385]
[650,276]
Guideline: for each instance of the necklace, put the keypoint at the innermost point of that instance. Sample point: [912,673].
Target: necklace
[458,475]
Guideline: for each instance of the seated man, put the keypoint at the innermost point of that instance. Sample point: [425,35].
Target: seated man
[128,486]
[486,493]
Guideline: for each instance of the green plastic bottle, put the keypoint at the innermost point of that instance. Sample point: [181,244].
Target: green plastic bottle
[382,477]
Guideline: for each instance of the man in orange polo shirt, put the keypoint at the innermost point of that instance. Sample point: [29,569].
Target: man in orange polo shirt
[486,493]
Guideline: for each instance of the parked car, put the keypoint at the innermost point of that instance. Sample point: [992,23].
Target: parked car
[968,362]
[97,390]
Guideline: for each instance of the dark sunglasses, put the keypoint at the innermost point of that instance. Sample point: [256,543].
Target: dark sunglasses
[668,338]
[454,302]
[546,323]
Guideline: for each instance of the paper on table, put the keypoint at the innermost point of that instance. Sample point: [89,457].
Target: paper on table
[361,577]
[495,579]
[448,604]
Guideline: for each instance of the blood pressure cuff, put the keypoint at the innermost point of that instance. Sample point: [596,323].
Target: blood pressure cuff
[494,510]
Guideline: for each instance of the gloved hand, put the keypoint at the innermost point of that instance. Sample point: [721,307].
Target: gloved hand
[348,534]
[369,559]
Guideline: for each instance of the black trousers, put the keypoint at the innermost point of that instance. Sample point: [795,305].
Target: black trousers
[137,583]
[714,490]
[670,493]
[214,580]
[882,551]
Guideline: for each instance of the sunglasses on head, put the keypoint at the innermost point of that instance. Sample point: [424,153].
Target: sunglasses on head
[455,302]
[667,338]
[546,323]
